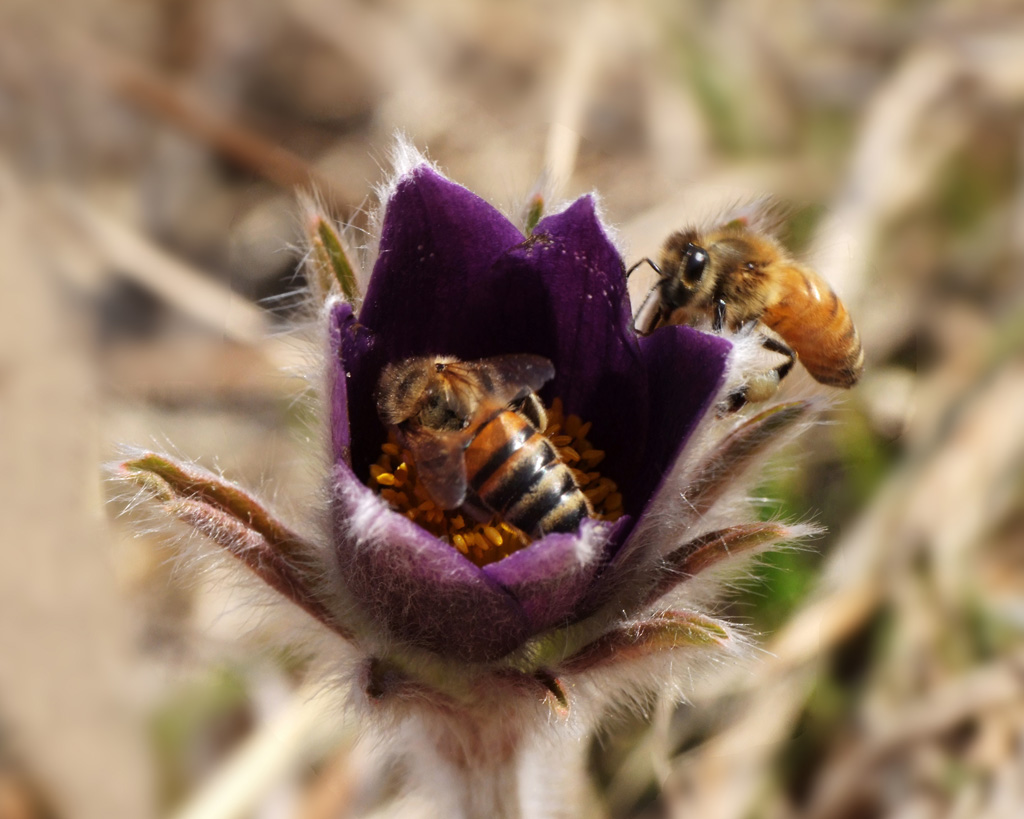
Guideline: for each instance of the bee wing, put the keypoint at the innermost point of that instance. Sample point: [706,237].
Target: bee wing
[499,380]
[516,376]
[762,215]
[441,464]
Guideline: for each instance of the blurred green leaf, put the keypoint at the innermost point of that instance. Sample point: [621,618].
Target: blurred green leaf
[201,718]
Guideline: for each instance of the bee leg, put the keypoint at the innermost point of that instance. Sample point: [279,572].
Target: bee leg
[531,408]
[760,384]
[642,261]
[718,323]
[764,385]
[651,314]
[777,345]
[734,401]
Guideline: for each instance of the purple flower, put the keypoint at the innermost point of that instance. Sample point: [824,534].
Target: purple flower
[455,277]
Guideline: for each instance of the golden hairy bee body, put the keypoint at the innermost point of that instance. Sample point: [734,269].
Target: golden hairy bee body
[473,428]
[733,275]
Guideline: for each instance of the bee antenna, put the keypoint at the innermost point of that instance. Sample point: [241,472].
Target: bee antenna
[642,261]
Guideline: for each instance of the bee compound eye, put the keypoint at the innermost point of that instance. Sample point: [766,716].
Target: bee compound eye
[693,266]
[439,367]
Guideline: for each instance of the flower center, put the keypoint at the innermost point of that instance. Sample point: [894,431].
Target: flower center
[394,477]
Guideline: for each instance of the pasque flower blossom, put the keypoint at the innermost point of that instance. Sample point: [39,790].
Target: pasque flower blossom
[476,655]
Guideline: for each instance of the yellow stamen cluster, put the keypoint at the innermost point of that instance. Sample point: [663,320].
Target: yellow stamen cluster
[569,436]
[394,476]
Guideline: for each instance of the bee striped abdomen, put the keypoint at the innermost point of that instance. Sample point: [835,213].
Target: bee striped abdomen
[815,323]
[553,503]
[515,472]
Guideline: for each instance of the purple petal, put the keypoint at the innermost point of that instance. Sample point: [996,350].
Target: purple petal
[432,292]
[354,365]
[338,318]
[551,576]
[685,370]
[563,296]
[431,287]
[423,591]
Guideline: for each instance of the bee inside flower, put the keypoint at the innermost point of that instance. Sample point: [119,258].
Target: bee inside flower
[483,464]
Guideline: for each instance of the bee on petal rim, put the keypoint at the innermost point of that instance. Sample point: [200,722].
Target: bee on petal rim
[733,275]
[473,428]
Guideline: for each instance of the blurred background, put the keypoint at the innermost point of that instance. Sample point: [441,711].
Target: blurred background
[149,153]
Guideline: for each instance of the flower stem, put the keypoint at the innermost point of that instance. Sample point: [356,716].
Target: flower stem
[477,767]
[468,769]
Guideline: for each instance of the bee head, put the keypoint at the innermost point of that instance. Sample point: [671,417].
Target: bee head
[692,266]
[683,263]
[415,392]
[400,388]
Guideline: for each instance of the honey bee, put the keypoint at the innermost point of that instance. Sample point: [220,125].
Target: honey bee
[734,275]
[473,428]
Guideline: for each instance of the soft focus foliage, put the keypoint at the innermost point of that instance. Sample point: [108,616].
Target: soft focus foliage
[148,154]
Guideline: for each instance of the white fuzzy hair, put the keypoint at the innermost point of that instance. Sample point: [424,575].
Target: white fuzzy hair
[403,159]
